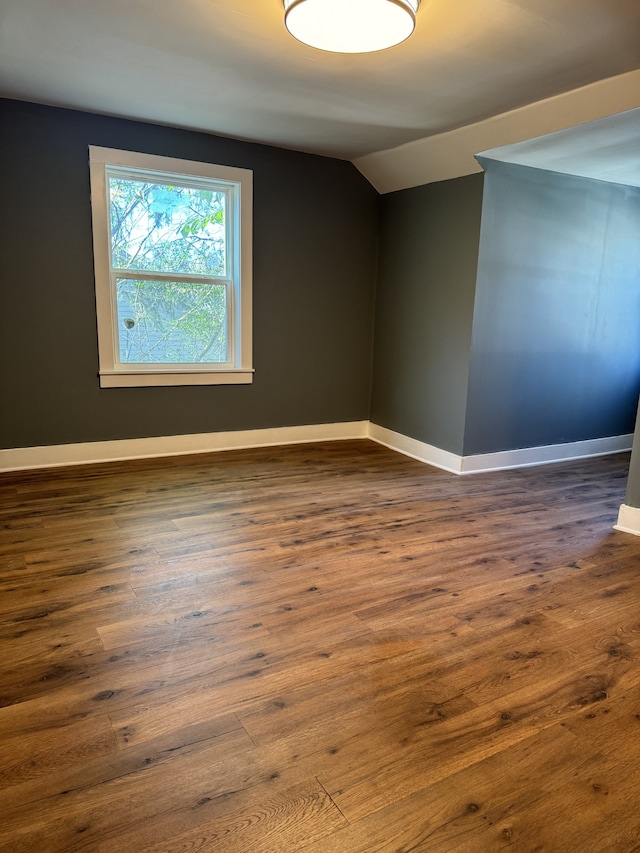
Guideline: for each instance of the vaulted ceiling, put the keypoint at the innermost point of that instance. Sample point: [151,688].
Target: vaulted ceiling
[230,66]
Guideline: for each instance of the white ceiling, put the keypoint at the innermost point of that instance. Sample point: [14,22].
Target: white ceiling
[230,67]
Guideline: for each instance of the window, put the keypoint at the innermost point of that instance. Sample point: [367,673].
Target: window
[172,250]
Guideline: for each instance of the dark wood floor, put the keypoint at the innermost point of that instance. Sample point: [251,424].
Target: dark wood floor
[328,648]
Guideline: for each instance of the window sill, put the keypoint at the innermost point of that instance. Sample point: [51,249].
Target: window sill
[142,379]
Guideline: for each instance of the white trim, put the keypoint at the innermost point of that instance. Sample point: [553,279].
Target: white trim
[628,520]
[239,293]
[527,456]
[24,458]
[416,449]
[500,461]
[138,379]
[451,154]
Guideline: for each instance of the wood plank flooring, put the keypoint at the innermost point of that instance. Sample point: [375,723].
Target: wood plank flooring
[326,648]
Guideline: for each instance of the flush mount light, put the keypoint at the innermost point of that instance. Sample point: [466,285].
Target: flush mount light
[351,26]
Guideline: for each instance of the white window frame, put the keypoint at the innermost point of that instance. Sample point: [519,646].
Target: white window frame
[113,373]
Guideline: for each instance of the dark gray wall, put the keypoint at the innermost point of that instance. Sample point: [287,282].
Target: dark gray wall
[556,352]
[315,233]
[424,310]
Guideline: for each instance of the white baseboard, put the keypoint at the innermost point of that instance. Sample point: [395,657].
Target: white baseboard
[506,459]
[416,449]
[628,520]
[25,458]
[500,461]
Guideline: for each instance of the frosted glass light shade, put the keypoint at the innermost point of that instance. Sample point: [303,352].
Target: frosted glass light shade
[351,26]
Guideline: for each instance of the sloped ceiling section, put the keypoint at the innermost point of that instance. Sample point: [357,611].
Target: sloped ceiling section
[474,75]
[607,150]
[452,154]
[230,66]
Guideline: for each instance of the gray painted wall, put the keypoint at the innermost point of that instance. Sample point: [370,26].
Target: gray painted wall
[556,353]
[424,310]
[315,233]
[553,356]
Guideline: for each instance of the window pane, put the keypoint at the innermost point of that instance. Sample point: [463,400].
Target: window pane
[162,322]
[167,228]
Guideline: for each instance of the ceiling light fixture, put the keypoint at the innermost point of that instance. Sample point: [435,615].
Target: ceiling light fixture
[351,26]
